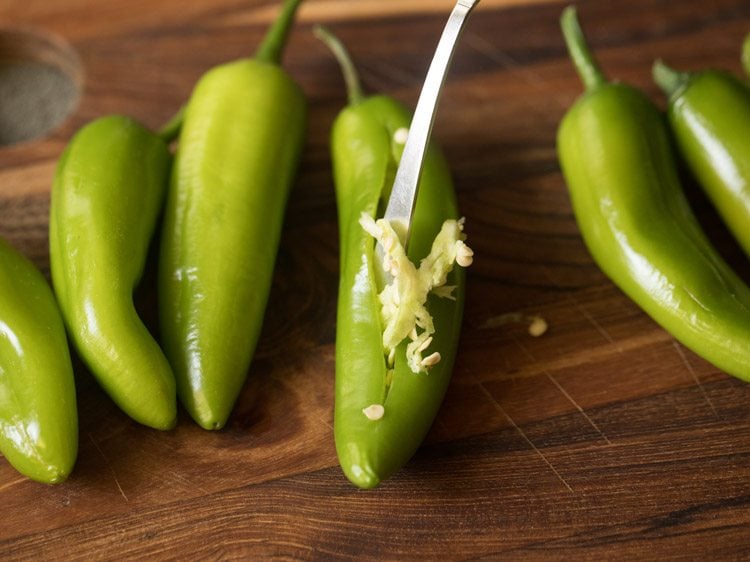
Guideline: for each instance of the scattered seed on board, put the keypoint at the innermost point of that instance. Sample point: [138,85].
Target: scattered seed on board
[537,327]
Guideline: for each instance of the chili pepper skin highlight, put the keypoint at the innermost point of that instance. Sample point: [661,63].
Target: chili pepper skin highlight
[236,159]
[383,409]
[38,416]
[108,192]
[709,114]
[616,158]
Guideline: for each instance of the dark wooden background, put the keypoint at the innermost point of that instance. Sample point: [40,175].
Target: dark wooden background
[602,439]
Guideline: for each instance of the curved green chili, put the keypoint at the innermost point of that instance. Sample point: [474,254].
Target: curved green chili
[38,417]
[383,412]
[106,199]
[238,150]
[709,113]
[615,154]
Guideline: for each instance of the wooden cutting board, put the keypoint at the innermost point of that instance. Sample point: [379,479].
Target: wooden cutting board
[603,438]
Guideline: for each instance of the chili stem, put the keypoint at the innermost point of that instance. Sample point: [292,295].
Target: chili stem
[746,54]
[169,131]
[273,44]
[351,77]
[583,59]
[671,81]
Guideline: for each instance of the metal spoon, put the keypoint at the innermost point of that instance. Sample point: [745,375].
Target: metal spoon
[404,193]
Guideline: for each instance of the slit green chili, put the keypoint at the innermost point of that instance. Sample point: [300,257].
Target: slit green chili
[709,114]
[617,161]
[106,199]
[237,154]
[38,416]
[383,413]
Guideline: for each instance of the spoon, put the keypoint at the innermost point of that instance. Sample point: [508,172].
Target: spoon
[403,196]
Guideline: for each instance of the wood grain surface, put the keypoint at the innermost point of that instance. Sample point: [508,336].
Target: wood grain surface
[602,439]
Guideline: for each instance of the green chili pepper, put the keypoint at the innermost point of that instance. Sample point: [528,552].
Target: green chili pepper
[709,113]
[616,157]
[106,199]
[383,409]
[238,151]
[38,417]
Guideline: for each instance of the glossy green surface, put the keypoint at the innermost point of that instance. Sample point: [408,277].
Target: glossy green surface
[365,159]
[107,196]
[616,158]
[38,417]
[710,119]
[236,160]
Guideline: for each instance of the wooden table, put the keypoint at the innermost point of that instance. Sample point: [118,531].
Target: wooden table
[604,438]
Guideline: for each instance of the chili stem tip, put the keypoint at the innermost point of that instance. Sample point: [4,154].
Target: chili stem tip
[171,129]
[746,54]
[671,81]
[351,77]
[272,47]
[583,59]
